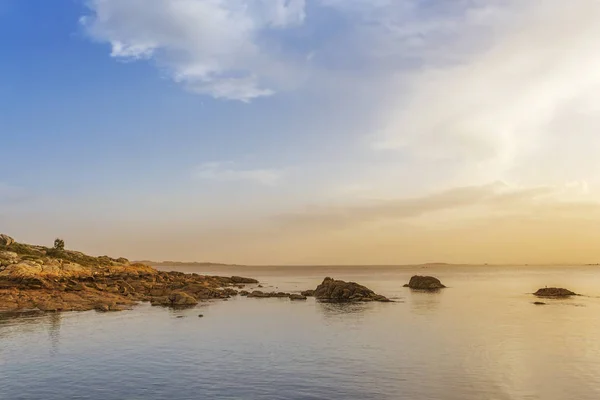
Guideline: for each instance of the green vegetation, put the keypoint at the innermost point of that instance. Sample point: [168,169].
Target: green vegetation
[59,244]
[33,253]
[25,250]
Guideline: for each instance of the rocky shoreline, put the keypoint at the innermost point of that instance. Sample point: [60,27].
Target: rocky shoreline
[37,278]
[49,279]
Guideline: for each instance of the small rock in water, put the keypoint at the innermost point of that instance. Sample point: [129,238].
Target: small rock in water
[554,292]
[297,297]
[539,303]
[200,315]
[424,283]
[180,316]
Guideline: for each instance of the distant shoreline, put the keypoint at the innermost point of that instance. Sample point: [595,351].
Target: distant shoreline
[184,264]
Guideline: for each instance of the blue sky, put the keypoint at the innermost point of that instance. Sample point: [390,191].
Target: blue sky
[237,125]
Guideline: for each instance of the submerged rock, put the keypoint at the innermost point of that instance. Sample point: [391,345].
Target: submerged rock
[260,294]
[341,291]
[424,283]
[297,297]
[554,292]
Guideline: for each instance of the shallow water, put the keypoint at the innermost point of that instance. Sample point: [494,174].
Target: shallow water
[482,338]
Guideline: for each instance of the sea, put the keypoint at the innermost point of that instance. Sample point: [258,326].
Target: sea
[481,338]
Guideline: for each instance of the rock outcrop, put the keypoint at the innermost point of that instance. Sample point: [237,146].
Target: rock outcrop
[340,291]
[308,293]
[554,292]
[6,240]
[40,278]
[424,283]
[297,297]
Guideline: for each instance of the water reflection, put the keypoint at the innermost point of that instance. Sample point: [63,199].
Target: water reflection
[53,322]
[20,323]
[425,302]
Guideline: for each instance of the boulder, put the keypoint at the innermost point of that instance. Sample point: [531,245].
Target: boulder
[182,299]
[424,283]
[175,299]
[554,292]
[6,240]
[241,279]
[341,291]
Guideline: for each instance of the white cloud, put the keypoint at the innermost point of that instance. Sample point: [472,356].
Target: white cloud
[523,107]
[229,172]
[209,46]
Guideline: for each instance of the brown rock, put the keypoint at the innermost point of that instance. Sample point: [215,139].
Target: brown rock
[554,292]
[341,291]
[425,283]
[6,240]
[260,294]
[240,279]
[297,297]
[308,293]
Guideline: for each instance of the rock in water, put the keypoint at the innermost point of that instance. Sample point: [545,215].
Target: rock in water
[241,279]
[308,293]
[297,297]
[175,299]
[424,283]
[340,291]
[6,240]
[182,299]
[554,292]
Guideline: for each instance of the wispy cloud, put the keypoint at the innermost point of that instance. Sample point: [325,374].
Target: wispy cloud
[513,105]
[230,172]
[493,197]
[209,46]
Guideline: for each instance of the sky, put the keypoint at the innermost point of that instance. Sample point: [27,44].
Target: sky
[303,131]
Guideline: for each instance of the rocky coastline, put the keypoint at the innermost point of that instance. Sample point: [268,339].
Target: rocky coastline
[49,279]
[38,278]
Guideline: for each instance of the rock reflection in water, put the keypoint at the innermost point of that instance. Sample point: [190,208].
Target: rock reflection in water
[425,302]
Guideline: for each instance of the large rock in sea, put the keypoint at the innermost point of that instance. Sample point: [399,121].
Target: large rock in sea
[554,292]
[6,240]
[341,291]
[424,283]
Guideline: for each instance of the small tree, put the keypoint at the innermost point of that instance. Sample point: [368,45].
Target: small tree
[59,244]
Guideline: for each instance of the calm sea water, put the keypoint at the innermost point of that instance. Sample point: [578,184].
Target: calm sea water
[480,339]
